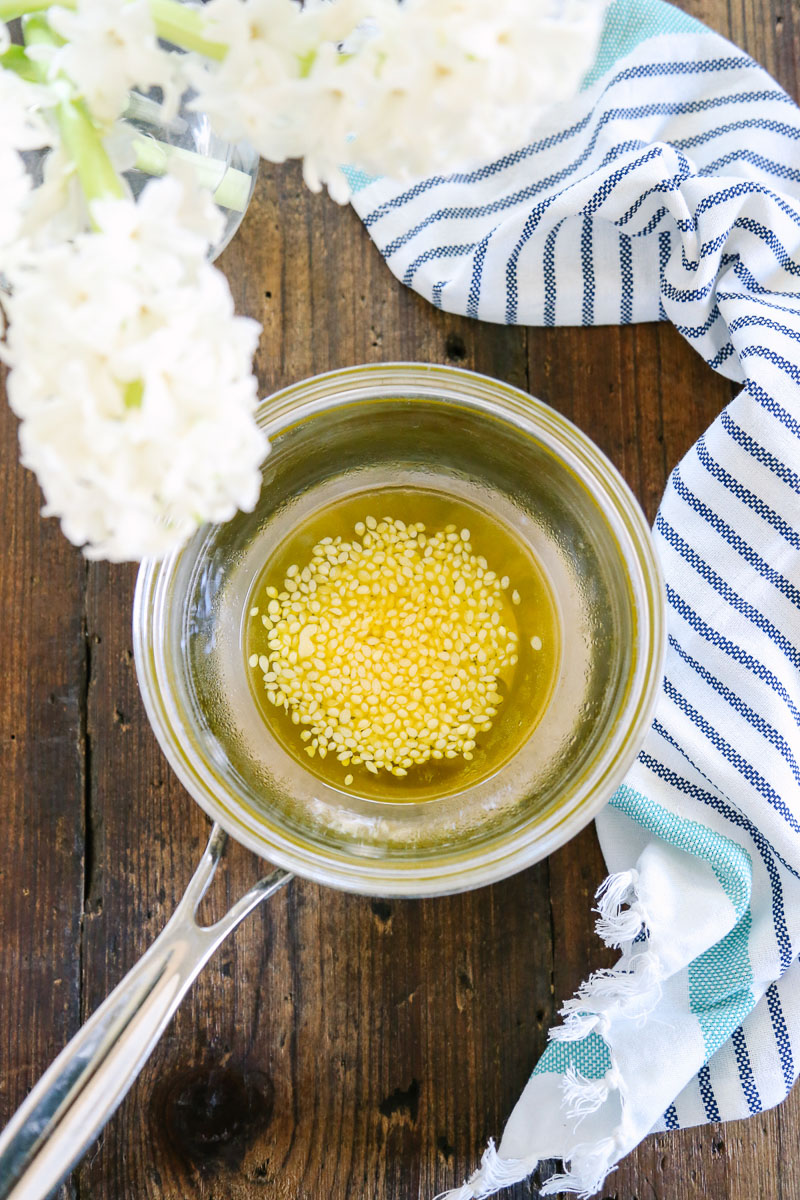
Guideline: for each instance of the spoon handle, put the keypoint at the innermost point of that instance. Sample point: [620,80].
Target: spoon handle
[78,1093]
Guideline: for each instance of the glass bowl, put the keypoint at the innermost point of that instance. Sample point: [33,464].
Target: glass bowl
[227,169]
[513,456]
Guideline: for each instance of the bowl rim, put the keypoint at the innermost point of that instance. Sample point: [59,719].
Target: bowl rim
[518,849]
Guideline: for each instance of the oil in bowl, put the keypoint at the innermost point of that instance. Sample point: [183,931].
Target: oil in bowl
[401,643]
[428,446]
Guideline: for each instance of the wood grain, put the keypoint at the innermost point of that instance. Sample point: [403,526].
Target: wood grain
[337,1048]
[44,671]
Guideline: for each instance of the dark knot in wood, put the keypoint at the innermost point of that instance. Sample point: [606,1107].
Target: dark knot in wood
[210,1114]
[403,1102]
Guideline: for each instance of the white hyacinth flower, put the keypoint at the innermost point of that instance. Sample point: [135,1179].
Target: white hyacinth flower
[22,128]
[132,377]
[396,89]
[109,49]
[56,209]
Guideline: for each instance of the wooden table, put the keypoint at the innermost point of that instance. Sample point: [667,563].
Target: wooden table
[336,1046]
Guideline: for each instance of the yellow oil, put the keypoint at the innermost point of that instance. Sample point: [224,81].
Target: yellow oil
[526,688]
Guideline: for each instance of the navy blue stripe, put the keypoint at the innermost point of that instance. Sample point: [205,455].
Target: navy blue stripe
[549,265]
[782,255]
[767,731]
[682,295]
[735,541]
[707,1093]
[770,301]
[435,252]
[698,331]
[745,1071]
[687,67]
[749,96]
[700,139]
[748,498]
[466,212]
[757,160]
[754,615]
[626,280]
[781,1033]
[474,297]
[652,224]
[772,356]
[744,187]
[732,650]
[528,229]
[760,453]
[772,406]
[760,321]
[664,185]
[587,265]
[749,280]
[731,755]
[534,217]
[664,251]
[671,1118]
[727,351]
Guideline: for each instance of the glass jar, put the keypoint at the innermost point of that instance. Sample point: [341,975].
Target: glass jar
[513,456]
[228,169]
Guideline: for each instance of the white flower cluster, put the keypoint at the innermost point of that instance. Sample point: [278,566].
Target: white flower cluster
[132,377]
[130,372]
[21,128]
[397,89]
[108,49]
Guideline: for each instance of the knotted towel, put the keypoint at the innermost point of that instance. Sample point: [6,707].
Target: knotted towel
[669,189]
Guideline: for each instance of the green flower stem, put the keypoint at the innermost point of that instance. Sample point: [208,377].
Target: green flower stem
[185,27]
[149,112]
[80,139]
[84,146]
[175,22]
[11,9]
[15,59]
[232,191]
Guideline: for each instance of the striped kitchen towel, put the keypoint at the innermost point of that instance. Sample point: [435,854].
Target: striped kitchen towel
[676,175]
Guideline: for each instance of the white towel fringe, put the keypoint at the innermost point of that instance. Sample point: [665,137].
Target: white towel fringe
[493,1173]
[588,1167]
[578,1024]
[617,926]
[583,1096]
[630,989]
[616,890]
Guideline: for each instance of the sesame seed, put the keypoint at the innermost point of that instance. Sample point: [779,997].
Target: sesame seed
[536,643]
[387,651]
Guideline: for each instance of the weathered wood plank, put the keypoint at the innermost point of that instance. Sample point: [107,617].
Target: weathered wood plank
[337,1047]
[43,668]
[321,1026]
